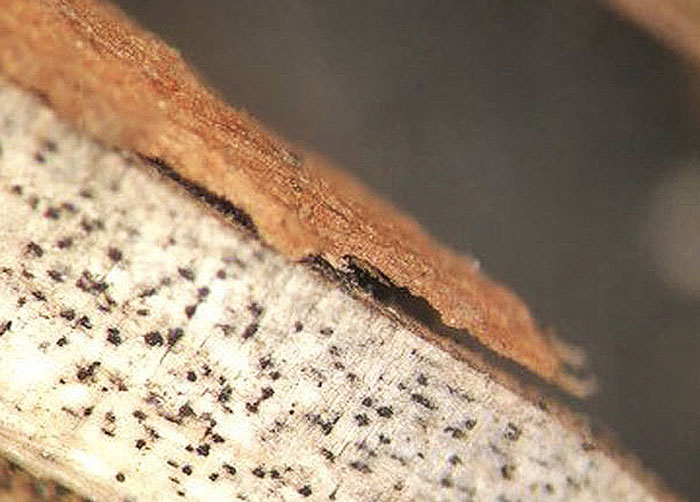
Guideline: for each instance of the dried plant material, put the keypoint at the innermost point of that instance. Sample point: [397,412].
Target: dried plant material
[123,86]
[152,351]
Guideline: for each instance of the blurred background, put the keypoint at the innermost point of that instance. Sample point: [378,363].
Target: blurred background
[555,141]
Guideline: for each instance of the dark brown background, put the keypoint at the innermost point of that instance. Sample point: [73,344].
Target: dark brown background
[533,135]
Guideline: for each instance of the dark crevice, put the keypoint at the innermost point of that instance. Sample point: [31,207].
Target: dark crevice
[219,203]
[356,275]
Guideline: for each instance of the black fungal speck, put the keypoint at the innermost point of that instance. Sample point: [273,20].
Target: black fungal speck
[114,254]
[55,275]
[250,330]
[298,326]
[139,415]
[259,472]
[512,432]
[88,371]
[362,420]
[120,477]
[231,470]
[225,394]
[64,243]
[423,401]
[187,469]
[251,407]
[61,341]
[186,273]
[507,471]
[113,336]
[267,392]
[203,449]
[203,292]
[422,379]
[190,310]
[39,295]
[174,336]
[469,424]
[305,491]
[213,476]
[191,376]
[385,411]
[360,466]
[85,322]
[5,327]
[153,339]
[35,249]
[140,443]
[327,331]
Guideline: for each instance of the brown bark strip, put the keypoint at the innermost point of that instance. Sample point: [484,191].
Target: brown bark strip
[122,85]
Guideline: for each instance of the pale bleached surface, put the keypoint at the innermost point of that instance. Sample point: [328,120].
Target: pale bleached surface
[326,398]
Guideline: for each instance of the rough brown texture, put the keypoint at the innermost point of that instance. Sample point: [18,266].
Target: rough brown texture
[676,22]
[122,85]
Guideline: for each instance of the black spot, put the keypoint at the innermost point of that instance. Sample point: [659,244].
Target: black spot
[275,474]
[361,420]
[113,336]
[120,477]
[383,439]
[174,336]
[154,338]
[61,341]
[114,254]
[191,376]
[90,225]
[5,327]
[258,472]
[255,309]
[39,295]
[469,424]
[221,274]
[187,469]
[446,483]
[328,454]
[367,401]
[512,432]
[64,243]
[229,469]
[88,411]
[250,330]
[88,371]
[360,466]
[140,443]
[88,283]
[203,292]
[423,401]
[422,379]
[298,326]
[326,331]
[84,321]
[190,311]
[225,394]
[213,476]
[455,432]
[267,392]
[385,411]
[35,249]
[251,407]
[52,213]
[55,275]
[454,460]
[203,449]
[305,491]
[186,273]
[185,411]
[216,438]
[507,471]
[275,375]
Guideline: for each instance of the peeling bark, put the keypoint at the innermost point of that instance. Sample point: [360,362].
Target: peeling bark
[150,350]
